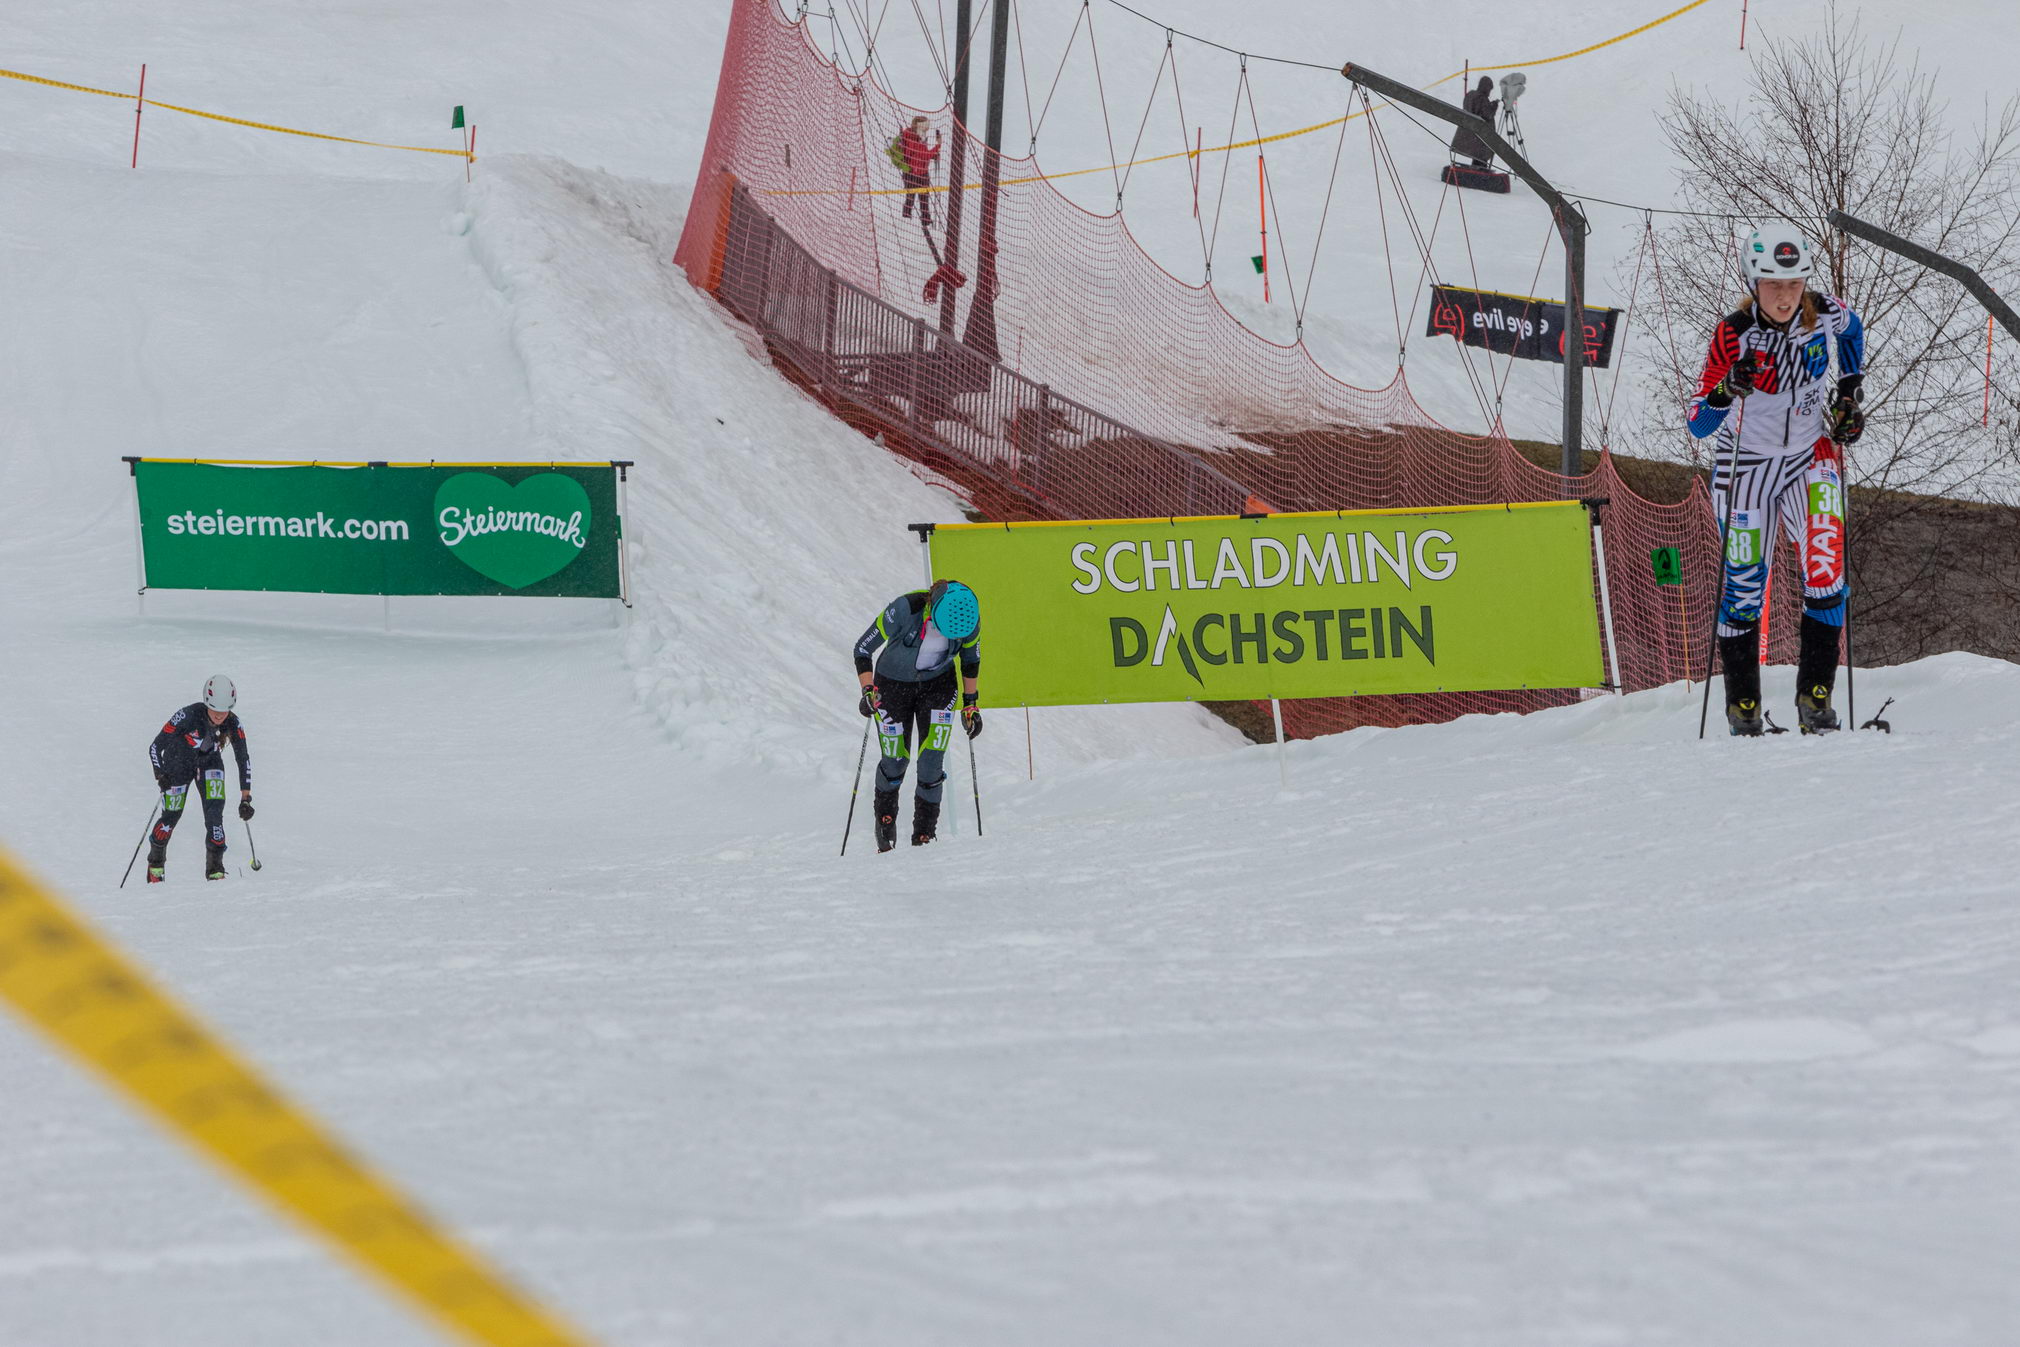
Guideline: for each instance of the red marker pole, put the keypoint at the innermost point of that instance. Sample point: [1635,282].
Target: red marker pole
[472,151]
[1987,420]
[1742,24]
[139,101]
[1262,209]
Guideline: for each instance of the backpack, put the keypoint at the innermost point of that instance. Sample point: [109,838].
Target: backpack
[895,151]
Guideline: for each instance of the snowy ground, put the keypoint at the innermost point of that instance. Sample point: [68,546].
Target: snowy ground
[1566,1029]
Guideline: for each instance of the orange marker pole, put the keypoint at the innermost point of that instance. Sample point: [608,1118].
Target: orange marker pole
[140,99]
[1262,210]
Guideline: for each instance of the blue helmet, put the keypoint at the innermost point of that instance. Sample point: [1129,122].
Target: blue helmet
[953,608]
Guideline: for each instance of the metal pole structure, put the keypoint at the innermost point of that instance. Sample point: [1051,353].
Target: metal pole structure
[1283,763]
[1571,227]
[1935,261]
[1593,507]
[981,332]
[957,161]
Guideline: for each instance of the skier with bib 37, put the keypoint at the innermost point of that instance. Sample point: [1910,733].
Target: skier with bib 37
[189,751]
[908,688]
[1766,394]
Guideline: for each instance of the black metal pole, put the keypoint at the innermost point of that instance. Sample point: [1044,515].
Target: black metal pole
[1935,261]
[1571,227]
[981,333]
[957,162]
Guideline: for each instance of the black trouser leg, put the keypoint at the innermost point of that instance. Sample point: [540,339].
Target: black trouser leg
[174,799]
[1817,665]
[1741,657]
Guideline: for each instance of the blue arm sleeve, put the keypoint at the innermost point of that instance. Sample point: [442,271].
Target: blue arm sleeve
[1851,350]
[1705,419]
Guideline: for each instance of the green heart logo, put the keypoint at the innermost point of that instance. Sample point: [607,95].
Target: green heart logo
[516,535]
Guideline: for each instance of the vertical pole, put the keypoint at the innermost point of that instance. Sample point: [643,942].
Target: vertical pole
[1030,760]
[1683,609]
[981,331]
[139,101]
[466,154]
[473,147]
[139,542]
[623,543]
[1987,418]
[1742,24]
[1606,605]
[1263,214]
[957,160]
[1571,224]
[1283,763]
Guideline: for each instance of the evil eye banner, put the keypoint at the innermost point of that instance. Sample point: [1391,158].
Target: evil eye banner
[1518,325]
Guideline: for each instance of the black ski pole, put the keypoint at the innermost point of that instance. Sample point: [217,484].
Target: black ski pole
[1718,595]
[975,783]
[153,809]
[862,755]
[249,843]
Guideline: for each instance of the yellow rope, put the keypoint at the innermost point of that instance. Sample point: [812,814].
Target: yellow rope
[1239,144]
[235,121]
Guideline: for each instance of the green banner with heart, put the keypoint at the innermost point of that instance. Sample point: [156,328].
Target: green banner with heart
[539,530]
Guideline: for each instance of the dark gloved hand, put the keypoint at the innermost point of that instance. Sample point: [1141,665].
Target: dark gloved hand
[1847,421]
[161,779]
[245,809]
[872,702]
[1738,381]
[971,715]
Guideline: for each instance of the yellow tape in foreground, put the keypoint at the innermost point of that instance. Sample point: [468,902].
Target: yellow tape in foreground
[69,982]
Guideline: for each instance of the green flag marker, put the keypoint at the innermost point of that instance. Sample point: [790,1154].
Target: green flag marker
[1257,260]
[456,118]
[1668,565]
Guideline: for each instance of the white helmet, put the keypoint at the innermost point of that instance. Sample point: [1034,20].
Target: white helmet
[1777,252]
[219,694]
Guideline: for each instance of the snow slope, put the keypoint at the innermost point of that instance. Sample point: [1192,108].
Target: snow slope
[1560,1029]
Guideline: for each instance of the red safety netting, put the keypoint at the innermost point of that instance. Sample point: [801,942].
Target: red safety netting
[1133,393]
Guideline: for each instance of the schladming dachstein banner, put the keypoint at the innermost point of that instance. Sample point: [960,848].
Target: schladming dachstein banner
[1467,599]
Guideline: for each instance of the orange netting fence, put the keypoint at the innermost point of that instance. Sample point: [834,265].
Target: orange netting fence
[1133,392]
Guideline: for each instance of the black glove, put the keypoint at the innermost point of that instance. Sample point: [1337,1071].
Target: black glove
[245,810]
[1847,421]
[1738,381]
[871,702]
[971,715]
[161,779]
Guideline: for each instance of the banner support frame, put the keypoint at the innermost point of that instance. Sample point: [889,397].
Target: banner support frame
[139,548]
[1593,506]
[623,466]
[1283,759]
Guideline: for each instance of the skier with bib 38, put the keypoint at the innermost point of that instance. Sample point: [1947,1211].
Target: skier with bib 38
[905,663]
[1780,424]
[189,750]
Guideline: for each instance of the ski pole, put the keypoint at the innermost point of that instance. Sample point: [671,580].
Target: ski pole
[247,824]
[975,783]
[1724,561]
[1845,521]
[862,755]
[153,809]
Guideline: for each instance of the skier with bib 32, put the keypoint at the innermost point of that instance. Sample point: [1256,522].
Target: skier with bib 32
[189,751]
[1780,424]
[905,663]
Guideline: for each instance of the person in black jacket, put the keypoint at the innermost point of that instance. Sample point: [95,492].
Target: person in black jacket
[905,664]
[189,750]
[1482,104]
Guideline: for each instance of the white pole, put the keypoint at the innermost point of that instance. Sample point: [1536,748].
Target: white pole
[386,612]
[623,545]
[1283,758]
[1606,609]
[139,549]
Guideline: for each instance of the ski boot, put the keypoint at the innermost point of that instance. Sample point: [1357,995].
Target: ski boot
[1816,671]
[1743,719]
[886,811]
[925,821]
[213,864]
[1813,709]
[157,858]
[156,874]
